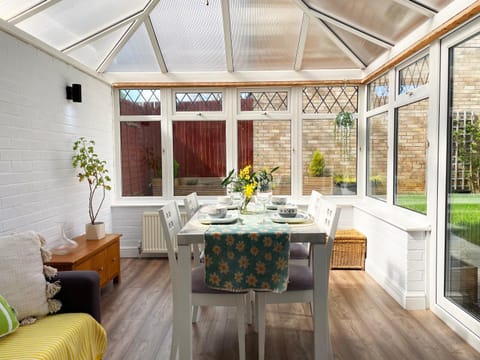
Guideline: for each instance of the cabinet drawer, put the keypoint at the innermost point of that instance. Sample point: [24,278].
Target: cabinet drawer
[112,260]
[96,263]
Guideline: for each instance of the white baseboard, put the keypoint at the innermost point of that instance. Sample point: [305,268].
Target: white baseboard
[408,300]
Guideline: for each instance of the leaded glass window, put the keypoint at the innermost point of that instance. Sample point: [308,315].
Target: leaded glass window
[329,99]
[140,102]
[377,92]
[414,75]
[264,101]
[198,101]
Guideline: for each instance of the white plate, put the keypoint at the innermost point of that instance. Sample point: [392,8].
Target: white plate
[207,220]
[272,207]
[300,218]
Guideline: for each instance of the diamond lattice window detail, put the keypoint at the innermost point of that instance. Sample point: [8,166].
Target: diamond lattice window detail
[414,75]
[140,102]
[330,99]
[264,101]
[378,92]
[198,101]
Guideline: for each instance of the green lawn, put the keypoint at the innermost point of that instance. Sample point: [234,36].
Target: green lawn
[464,213]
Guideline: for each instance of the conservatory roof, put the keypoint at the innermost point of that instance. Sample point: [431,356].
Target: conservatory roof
[174,39]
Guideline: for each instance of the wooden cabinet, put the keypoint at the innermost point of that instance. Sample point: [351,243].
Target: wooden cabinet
[101,255]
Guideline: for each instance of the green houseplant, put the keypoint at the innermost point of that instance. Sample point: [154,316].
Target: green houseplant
[94,172]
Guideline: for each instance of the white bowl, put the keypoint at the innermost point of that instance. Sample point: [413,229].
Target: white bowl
[218,211]
[287,211]
[224,200]
[279,200]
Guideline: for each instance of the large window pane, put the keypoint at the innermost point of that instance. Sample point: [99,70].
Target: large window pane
[377,132]
[462,242]
[266,144]
[199,157]
[411,156]
[141,154]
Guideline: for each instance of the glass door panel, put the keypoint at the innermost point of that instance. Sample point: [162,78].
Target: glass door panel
[462,225]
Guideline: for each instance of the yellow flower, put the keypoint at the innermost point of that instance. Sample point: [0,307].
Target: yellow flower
[281,264]
[223,266]
[238,277]
[249,190]
[275,278]
[251,280]
[214,279]
[243,262]
[228,285]
[260,268]
[217,250]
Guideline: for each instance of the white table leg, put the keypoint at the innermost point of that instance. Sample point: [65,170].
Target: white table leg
[321,330]
[184,303]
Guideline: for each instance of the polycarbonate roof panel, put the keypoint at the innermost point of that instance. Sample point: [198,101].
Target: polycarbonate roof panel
[190,35]
[388,19]
[136,55]
[435,4]
[69,21]
[93,53]
[11,8]
[265,34]
[365,50]
[321,52]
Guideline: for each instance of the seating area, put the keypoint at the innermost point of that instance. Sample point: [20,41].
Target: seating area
[249,179]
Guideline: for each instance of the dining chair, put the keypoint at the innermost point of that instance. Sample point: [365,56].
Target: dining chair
[191,204]
[201,294]
[300,252]
[300,278]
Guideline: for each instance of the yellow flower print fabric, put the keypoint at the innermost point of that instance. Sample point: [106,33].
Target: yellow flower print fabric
[241,257]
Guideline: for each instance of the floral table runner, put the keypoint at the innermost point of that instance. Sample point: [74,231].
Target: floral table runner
[247,255]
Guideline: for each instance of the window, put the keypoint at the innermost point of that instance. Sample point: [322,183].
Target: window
[377,92]
[377,150]
[198,101]
[263,101]
[414,75]
[266,144]
[199,157]
[411,156]
[328,147]
[141,158]
[139,102]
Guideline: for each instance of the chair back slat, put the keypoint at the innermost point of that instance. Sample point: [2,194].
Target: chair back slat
[315,205]
[330,214]
[191,204]
[171,224]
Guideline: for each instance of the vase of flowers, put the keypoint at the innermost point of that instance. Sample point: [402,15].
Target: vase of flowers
[247,181]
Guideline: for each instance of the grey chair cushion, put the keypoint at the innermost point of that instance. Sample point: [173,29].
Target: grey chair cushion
[198,282]
[298,251]
[299,277]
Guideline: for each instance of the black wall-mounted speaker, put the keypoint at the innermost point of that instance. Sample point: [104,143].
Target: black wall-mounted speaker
[74,93]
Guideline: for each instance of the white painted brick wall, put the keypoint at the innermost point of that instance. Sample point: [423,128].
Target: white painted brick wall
[38,126]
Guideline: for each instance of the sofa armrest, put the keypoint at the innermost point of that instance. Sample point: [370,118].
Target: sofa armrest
[80,292]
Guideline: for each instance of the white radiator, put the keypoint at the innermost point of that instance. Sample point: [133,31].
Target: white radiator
[153,241]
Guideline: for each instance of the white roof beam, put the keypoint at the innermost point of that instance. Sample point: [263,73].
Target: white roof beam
[227,34]
[32,11]
[105,31]
[340,44]
[128,34]
[418,7]
[331,19]
[302,40]
[156,47]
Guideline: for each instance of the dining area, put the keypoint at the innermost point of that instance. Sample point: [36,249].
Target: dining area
[242,258]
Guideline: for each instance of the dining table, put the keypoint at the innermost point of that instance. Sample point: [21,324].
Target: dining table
[193,232]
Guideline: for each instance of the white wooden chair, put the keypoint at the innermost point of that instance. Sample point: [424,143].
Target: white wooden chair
[201,294]
[300,252]
[191,204]
[300,284]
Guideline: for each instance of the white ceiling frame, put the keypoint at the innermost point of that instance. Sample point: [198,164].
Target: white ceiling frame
[128,34]
[227,35]
[101,33]
[302,40]
[156,47]
[340,44]
[364,34]
[32,11]
[418,7]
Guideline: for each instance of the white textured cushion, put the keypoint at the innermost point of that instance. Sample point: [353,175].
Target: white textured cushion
[22,281]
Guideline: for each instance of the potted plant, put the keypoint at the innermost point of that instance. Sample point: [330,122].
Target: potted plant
[346,184]
[94,171]
[343,125]
[317,178]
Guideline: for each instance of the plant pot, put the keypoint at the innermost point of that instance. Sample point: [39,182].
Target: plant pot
[157,186]
[95,231]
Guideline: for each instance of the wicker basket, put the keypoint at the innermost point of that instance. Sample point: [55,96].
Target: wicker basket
[349,250]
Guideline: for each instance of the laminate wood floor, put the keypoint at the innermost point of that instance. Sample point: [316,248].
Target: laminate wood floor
[365,323]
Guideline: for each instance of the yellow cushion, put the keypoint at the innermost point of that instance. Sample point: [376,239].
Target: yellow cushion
[62,336]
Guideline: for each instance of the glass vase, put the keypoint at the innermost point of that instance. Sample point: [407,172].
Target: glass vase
[244,205]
